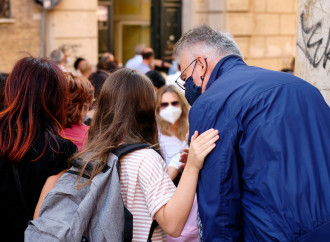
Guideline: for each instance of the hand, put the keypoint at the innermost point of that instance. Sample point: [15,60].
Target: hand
[200,147]
[184,158]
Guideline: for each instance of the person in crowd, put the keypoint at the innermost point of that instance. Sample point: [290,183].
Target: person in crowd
[147,61]
[174,67]
[110,66]
[32,153]
[107,57]
[137,59]
[81,95]
[136,63]
[108,63]
[172,117]
[268,178]
[125,114]
[58,57]
[85,68]
[97,79]
[174,76]
[156,78]
[77,62]
[66,52]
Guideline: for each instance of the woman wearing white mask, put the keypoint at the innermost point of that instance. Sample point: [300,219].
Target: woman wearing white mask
[172,116]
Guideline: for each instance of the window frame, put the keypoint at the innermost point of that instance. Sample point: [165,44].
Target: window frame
[9,18]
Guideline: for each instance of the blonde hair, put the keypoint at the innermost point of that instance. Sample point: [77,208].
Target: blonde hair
[164,126]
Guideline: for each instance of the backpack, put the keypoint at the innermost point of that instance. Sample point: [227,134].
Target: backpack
[95,212]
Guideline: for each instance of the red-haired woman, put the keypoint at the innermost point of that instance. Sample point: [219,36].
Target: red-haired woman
[81,95]
[32,154]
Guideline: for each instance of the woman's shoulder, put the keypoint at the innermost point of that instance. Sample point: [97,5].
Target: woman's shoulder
[57,145]
[63,142]
[147,156]
[146,153]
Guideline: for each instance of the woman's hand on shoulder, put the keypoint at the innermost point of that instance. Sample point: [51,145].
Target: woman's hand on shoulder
[200,147]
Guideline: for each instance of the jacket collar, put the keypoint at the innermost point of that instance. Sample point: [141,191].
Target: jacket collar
[225,64]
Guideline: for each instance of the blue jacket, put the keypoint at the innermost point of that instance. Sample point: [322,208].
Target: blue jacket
[268,178]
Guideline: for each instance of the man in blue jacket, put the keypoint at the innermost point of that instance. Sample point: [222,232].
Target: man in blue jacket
[268,178]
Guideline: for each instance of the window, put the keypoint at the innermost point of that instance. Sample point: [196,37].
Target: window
[5,9]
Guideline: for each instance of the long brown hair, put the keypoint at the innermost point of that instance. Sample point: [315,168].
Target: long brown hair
[125,114]
[35,100]
[164,126]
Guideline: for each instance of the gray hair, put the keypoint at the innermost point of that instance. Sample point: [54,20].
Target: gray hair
[57,56]
[215,44]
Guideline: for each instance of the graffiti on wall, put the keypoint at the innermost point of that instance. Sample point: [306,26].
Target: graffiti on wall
[315,47]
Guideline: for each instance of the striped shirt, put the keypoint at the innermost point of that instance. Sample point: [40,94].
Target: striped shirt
[145,187]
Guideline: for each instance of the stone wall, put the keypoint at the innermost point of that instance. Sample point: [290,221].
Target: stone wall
[265,30]
[19,35]
[74,23]
[313,44]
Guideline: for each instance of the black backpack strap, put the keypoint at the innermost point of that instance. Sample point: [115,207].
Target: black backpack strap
[152,228]
[124,150]
[128,230]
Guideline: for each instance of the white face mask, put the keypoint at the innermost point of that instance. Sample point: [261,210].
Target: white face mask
[171,114]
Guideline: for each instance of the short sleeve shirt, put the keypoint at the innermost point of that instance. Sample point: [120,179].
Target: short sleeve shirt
[145,187]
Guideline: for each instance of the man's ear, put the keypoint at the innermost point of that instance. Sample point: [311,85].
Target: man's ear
[201,62]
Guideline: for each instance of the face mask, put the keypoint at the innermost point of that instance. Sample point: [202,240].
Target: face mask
[192,91]
[171,114]
[67,62]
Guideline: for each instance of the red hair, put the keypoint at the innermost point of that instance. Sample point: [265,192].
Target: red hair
[35,100]
[81,95]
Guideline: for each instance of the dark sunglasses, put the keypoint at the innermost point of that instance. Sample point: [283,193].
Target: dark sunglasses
[174,104]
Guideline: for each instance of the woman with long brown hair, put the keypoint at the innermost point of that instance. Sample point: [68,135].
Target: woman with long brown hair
[32,153]
[125,114]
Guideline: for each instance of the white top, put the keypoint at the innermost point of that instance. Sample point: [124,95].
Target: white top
[145,187]
[170,146]
[134,62]
[143,68]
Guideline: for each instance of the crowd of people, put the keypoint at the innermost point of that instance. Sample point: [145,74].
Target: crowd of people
[250,163]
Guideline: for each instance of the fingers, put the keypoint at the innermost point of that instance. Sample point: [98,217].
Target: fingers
[195,135]
[210,147]
[211,139]
[205,143]
[207,135]
[186,150]
[183,157]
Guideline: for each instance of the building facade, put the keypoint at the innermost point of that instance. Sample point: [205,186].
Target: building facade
[265,30]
